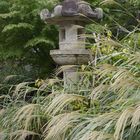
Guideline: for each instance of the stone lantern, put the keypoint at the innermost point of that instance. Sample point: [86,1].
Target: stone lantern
[71,16]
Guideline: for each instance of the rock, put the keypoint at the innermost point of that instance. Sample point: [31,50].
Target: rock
[85,9]
[58,10]
[99,12]
[70,8]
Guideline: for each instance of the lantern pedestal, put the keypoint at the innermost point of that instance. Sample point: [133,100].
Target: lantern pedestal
[71,77]
[70,59]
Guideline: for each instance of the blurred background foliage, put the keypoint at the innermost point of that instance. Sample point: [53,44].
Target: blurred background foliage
[25,40]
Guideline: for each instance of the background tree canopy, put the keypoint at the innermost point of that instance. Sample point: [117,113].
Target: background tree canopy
[25,40]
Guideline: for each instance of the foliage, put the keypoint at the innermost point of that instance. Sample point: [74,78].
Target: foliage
[109,109]
[22,27]
[104,104]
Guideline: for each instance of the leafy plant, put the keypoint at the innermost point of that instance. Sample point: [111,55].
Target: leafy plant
[24,37]
[104,105]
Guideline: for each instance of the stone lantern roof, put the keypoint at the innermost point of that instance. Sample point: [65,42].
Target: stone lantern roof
[73,12]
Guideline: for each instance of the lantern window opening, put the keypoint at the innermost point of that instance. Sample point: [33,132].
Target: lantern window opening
[80,34]
[62,34]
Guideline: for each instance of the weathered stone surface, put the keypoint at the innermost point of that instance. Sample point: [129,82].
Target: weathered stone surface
[99,12]
[70,8]
[58,10]
[77,20]
[71,76]
[71,57]
[85,9]
[72,37]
